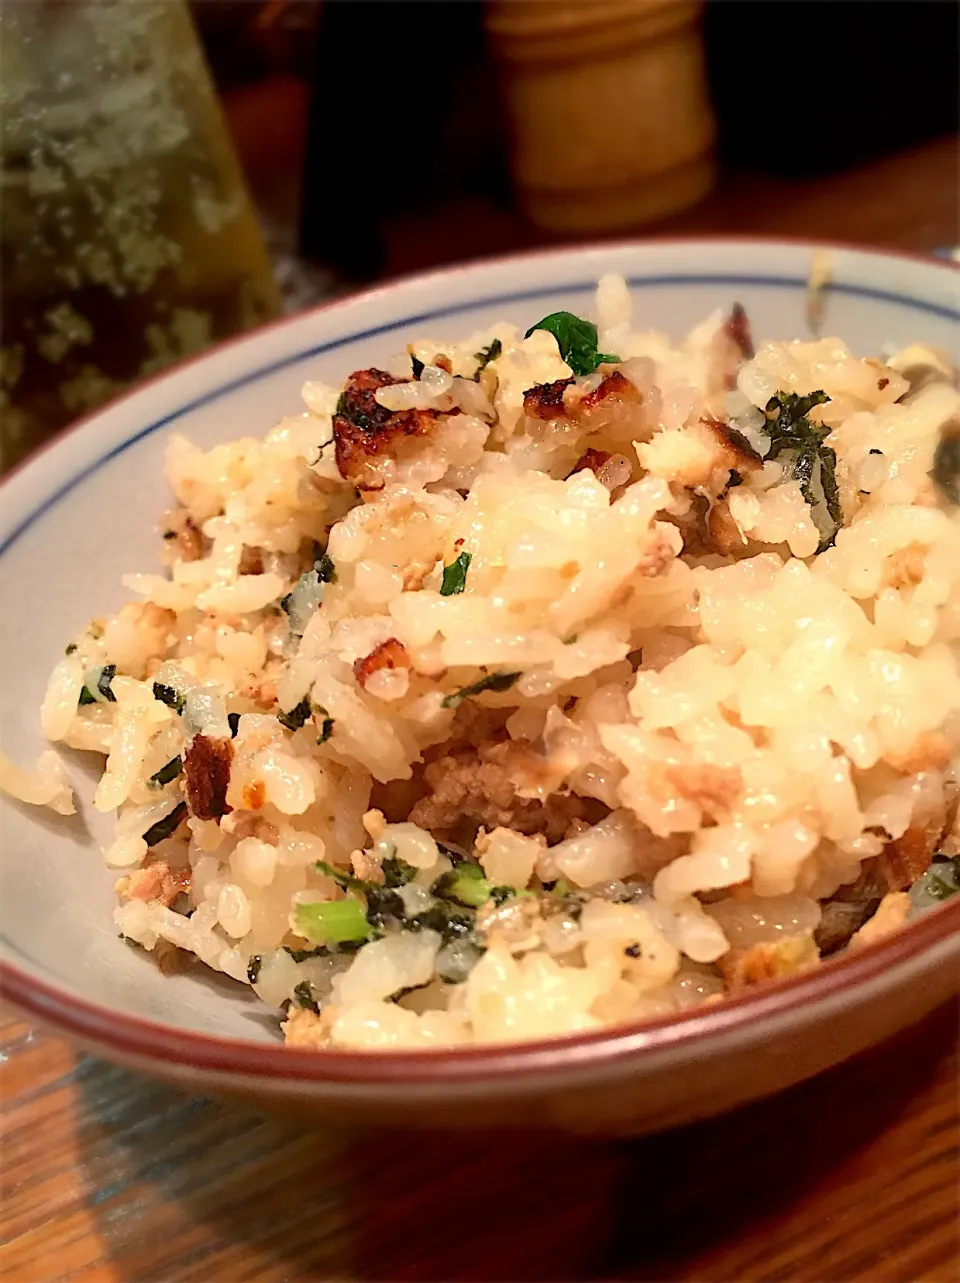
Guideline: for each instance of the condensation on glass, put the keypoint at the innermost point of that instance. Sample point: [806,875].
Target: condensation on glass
[127,239]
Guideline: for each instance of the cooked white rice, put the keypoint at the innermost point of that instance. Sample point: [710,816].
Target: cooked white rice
[706,719]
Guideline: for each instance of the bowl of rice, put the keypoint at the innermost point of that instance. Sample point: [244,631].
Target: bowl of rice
[525,694]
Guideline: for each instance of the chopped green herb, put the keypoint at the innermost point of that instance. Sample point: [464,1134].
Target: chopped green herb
[340,876]
[326,727]
[500,895]
[333,921]
[303,993]
[301,955]
[943,877]
[457,959]
[791,431]
[102,685]
[167,826]
[253,968]
[167,773]
[561,888]
[946,462]
[396,872]
[417,365]
[455,575]
[167,695]
[107,674]
[788,408]
[492,682]
[402,993]
[448,920]
[465,883]
[71,648]
[297,716]
[326,570]
[577,340]
[485,356]
[233,721]
[134,944]
[384,906]
[633,951]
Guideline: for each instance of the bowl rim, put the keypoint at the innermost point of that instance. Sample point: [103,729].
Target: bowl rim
[147,1040]
[133,1036]
[438,275]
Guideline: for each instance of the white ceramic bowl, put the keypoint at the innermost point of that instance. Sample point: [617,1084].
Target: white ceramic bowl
[85,510]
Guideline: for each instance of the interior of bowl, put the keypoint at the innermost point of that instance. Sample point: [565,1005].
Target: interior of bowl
[86,511]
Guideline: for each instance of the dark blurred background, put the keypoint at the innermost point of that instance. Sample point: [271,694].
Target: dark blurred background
[390,117]
[380,137]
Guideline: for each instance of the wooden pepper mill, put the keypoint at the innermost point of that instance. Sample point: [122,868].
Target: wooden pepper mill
[608,106]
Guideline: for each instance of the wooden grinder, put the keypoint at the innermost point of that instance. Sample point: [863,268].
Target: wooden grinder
[608,106]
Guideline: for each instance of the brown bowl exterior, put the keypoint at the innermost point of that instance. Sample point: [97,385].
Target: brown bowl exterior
[625,1080]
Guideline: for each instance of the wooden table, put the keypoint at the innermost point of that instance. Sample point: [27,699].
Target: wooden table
[111,1178]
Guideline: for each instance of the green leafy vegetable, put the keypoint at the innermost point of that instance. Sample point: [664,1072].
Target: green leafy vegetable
[297,716]
[70,649]
[167,695]
[107,674]
[340,876]
[304,597]
[102,687]
[485,356]
[448,920]
[792,432]
[167,826]
[303,993]
[402,993]
[326,570]
[465,883]
[253,968]
[167,773]
[301,955]
[455,575]
[417,365]
[384,906]
[333,921]
[500,895]
[946,462]
[382,901]
[492,682]
[577,340]
[326,725]
[457,959]
[397,872]
[943,877]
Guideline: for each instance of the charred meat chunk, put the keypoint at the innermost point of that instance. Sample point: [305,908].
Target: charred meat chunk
[364,430]
[207,764]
